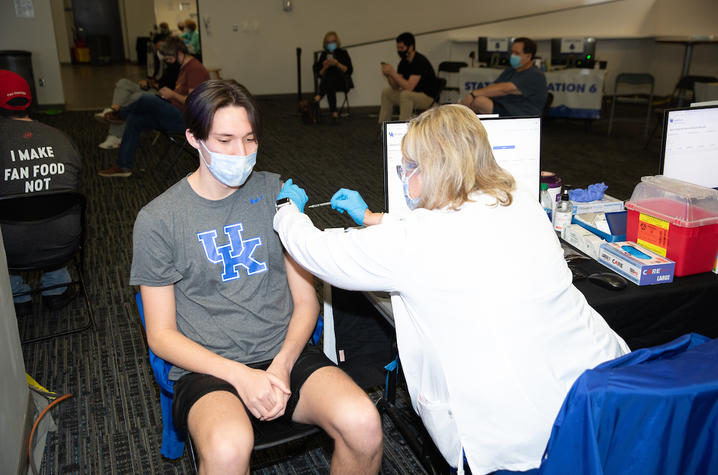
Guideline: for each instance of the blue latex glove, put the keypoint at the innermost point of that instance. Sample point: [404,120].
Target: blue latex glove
[351,202]
[593,193]
[294,193]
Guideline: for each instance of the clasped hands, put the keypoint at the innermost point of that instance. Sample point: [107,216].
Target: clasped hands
[264,393]
[343,200]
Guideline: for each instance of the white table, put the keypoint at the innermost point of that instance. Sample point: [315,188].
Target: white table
[577,93]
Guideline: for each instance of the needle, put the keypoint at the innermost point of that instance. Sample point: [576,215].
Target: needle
[320,204]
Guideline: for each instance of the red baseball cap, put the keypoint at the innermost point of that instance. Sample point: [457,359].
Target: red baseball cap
[14,92]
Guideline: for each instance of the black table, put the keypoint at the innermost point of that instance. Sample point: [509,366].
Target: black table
[651,315]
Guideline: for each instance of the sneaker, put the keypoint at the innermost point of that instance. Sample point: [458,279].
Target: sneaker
[115,172]
[100,116]
[56,302]
[113,117]
[111,143]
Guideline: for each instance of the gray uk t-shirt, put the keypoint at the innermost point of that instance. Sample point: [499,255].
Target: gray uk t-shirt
[226,264]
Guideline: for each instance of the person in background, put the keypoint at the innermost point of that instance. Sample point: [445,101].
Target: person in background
[182,32]
[519,90]
[127,92]
[490,329]
[192,41]
[161,112]
[34,158]
[235,323]
[412,85]
[334,68]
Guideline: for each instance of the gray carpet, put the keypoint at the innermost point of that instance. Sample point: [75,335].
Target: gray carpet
[112,423]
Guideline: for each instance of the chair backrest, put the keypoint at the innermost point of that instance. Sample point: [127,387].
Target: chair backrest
[651,411]
[547,105]
[451,66]
[42,230]
[440,85]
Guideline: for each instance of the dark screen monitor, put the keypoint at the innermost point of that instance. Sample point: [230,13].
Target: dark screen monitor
[689,149]
[515,142]
[573,52]
[495,51]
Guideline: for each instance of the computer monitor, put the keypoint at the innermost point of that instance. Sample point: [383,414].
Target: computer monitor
[573,52]
[495,51]
[689,149]
[516,143]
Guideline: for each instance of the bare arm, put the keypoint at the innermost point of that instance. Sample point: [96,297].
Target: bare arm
[301,325]
[255,387]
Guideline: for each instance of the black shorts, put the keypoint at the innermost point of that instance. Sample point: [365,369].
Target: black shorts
[192,386]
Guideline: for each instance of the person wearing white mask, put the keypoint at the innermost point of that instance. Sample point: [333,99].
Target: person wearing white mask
[490,330]
[518,91]
[230,310]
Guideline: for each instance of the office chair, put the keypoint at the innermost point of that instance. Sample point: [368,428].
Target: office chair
[268,435]
[43,232]
[632,79]
[450,67]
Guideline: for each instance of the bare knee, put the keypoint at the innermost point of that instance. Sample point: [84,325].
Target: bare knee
[359,426]
[225,451]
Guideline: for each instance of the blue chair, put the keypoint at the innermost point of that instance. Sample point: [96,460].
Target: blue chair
[266,435]
[652,411]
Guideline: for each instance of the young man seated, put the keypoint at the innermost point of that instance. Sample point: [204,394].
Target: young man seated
[230,309]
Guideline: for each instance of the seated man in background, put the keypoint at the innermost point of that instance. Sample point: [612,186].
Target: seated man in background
[34,158]
[162,111]
[519,90]
[191,38]
[412,85]
[127,91]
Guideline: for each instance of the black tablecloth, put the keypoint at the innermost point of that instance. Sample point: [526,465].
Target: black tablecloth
[651,315]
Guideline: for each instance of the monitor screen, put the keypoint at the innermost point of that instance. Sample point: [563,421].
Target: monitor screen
[689,150]
[516,143]
[573,52]
[495,51]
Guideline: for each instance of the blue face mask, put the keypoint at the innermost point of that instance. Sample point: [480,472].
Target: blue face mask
[230,170]
[515,61]
[331,46]
[412,203]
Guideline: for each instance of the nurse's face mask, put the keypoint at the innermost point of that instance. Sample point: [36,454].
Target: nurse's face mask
[405,172]
[231,170]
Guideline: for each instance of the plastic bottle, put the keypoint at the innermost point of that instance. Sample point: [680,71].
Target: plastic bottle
[546,200]
[563,213]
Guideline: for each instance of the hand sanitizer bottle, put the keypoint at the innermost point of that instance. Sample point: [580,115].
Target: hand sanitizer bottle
[546,200]
[563,213]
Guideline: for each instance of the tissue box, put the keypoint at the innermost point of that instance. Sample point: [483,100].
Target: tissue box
[583,240]
[635,263]
[604,205]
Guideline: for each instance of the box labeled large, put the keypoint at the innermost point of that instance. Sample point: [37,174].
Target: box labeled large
[637,264]
[677,220]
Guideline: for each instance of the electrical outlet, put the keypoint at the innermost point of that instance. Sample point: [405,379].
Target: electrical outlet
[42,82]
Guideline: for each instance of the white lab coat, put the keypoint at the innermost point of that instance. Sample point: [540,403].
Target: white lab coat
[490,330]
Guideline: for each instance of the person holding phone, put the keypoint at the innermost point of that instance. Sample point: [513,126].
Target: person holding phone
[412,85]
[334,68]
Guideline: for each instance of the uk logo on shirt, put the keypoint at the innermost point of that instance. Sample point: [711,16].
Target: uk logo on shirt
[237,253]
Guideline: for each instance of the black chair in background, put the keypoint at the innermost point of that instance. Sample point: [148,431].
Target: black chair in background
[634,80]
[450,67]
[682,95]
[348,85]
[44,232]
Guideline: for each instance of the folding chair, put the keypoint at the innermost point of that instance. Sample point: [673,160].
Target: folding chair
[450,67]
[268,435]
[43,232]
[633,79]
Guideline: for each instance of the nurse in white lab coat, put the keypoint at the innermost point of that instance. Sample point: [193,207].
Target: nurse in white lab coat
[491,332]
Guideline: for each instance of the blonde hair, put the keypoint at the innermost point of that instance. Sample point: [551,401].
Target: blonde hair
[327,35]
[452,151]
[191,24]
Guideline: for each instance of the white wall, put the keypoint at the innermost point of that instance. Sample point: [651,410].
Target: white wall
[36,35]
[175,11]
[262,52]
[138,18]
[14,394]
